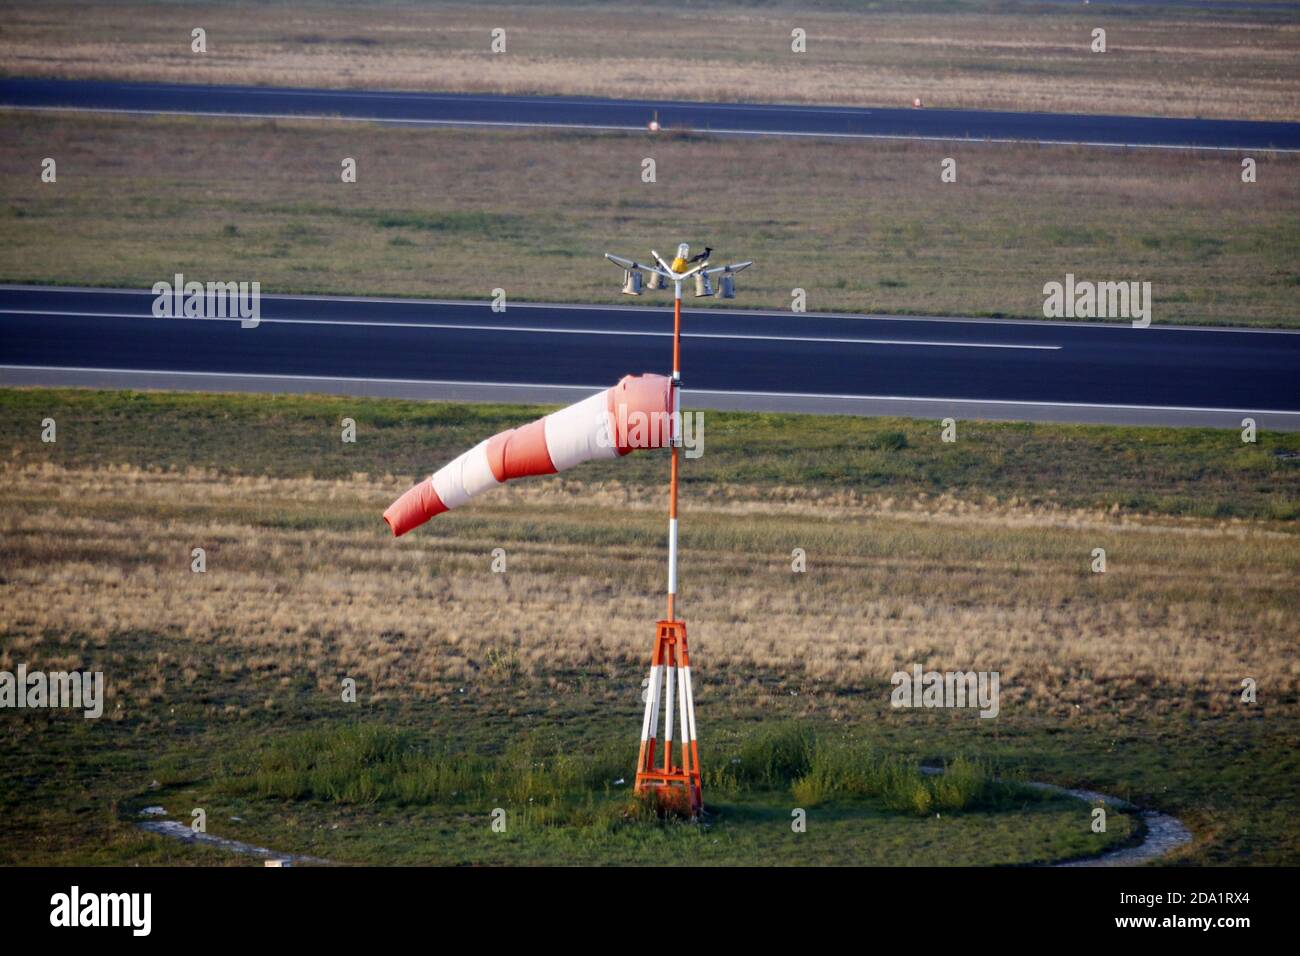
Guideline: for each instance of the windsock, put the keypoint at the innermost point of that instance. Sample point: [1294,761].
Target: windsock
[635,413]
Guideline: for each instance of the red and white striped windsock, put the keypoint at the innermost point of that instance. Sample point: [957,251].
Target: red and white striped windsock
[635,413]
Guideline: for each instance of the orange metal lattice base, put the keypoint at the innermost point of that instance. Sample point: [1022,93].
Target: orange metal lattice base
[675,781]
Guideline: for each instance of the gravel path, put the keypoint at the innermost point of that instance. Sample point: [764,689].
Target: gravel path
[179,831]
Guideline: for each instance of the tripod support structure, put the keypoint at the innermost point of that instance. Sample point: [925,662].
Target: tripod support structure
[674,777]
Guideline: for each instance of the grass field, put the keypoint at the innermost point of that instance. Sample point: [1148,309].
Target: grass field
[859,226]
[520,691]
[224,686]
[1176,61]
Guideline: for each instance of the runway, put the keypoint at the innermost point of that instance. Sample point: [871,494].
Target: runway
[560,112]
[732,359]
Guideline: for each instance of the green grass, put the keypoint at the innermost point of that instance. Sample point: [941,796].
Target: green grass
[365,793]
[861,227]
[1198,472]
[71,790]
[412,776]
[366,764]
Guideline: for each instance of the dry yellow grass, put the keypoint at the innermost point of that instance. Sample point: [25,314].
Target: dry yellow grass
[1240,65]
[303,583]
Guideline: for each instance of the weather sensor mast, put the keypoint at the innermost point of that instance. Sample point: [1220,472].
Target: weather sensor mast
[673,777]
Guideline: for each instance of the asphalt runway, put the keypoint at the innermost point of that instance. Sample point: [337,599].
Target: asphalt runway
[562,112]
[732,359]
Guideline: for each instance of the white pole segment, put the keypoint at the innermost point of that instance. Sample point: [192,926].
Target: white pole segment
[690,705]
[686,726]
[677,410]
[649,705]
[668,708]
[657,675]
[672,556]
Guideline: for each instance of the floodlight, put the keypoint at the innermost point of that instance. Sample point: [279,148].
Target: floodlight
[631,282]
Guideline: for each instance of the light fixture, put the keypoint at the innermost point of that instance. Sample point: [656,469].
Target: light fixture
[631,282]
[703,285]
[728,285]
[681,263]
[656,281]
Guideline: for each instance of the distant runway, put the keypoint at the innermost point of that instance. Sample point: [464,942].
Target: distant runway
[565,112]
[732,359]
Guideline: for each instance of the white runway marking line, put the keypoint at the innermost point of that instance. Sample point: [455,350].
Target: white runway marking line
[288,378]
[695,313]
[265,376]
[553,331]
[994,401]
[519,124]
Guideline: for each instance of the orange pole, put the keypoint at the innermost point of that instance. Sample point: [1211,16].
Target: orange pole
[672,481]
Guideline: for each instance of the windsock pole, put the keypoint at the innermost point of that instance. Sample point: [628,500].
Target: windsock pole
[672,783]
[676,424]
